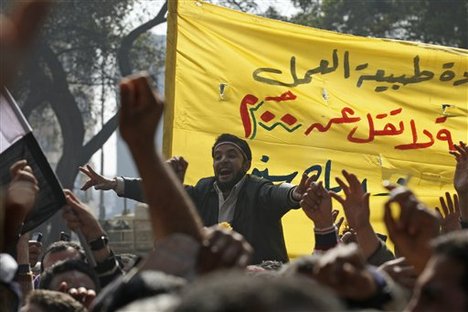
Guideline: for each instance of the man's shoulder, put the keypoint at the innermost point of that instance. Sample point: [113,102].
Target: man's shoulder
[252,180]
[202,187]
[256,180]
[205,182]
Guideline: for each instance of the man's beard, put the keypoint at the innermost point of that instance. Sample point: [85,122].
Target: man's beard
[227,186]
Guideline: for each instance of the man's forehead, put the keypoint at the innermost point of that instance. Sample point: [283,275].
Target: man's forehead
[74,278]
[226,148]
[67,251]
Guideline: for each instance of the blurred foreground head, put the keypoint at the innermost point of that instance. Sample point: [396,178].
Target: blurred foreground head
[443,285]
[235,291]
[51,301]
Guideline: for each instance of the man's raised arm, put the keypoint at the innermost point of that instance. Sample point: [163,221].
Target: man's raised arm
[171,210]
[460,180]
[128,187]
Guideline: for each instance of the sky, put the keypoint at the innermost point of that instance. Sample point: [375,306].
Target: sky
[283,6]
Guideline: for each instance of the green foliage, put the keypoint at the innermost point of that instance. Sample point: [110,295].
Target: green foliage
[442,22]
[273,13]
[431,21]
[84,36]
[241,5]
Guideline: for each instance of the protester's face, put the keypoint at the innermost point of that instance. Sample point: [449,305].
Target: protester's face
[53,257]
[439,287]
[71,279]
[229,166]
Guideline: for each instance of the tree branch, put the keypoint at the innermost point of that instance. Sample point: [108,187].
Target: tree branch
[62,100]
[127,42]
[32,102]
[99,139]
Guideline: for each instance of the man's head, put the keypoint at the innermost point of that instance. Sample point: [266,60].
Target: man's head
[234,291]
[51,301]
[443,285]
[231,160]
[60,251]
[136,286]
[69,274]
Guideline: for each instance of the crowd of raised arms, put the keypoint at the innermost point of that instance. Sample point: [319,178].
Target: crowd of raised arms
[198,264]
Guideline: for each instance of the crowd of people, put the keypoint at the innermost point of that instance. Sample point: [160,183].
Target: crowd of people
[199,264]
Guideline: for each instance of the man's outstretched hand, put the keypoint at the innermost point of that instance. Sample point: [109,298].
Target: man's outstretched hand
[299,190]
[95,179]
[179,166]
[316,204]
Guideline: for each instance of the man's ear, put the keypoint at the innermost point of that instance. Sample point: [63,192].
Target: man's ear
[246,165]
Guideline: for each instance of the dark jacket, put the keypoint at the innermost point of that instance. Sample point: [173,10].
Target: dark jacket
[259,209]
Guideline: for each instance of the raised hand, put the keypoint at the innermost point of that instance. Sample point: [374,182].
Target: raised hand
[179,166]
[340,221]
[344,270]
[20,198]
[78,217]
[349,236]
[316,204]
[356,208]
[22,190]
[460,179]
[95,179]
[401,272]
[222,249]
[412,231]
[303,186]
[81,294]
[356,201]
[171,210]
[140,112]
[450,219]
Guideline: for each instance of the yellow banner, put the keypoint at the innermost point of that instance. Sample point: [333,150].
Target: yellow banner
[314,100]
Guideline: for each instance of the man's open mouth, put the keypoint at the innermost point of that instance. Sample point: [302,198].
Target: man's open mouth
[224,172]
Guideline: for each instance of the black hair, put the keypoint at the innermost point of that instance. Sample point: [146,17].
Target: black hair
[61,246]
[134,286]
[303,265]
[242,144]
[66,266]
[234,291]
[271,265]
